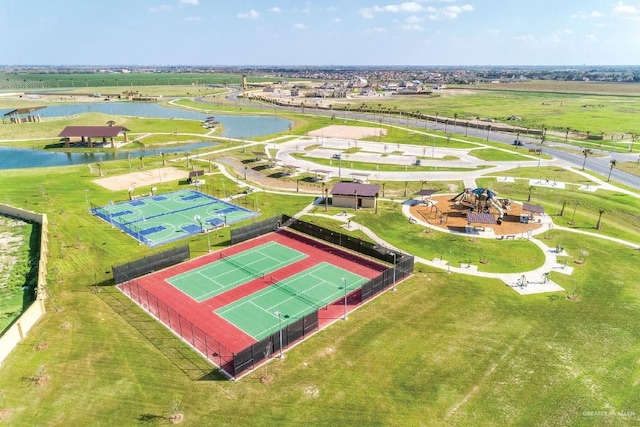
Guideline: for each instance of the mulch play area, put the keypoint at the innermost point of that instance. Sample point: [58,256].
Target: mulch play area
[440,212]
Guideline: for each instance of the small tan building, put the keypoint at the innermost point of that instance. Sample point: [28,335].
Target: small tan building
[354,195]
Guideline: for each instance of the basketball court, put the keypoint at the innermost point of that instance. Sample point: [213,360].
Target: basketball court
[159,219]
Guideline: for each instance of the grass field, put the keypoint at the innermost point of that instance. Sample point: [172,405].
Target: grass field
[445,349]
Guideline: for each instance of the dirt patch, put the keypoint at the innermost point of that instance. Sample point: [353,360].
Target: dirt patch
[453,217]
[42,346]
[267,379]
[348,132]
[43,380]
[176,418]
[141,179]
[5,413]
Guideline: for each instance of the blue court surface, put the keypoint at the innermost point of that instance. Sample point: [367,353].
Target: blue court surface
[163,218]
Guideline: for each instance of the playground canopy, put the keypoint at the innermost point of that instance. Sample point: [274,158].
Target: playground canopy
[532,208]
[480,218]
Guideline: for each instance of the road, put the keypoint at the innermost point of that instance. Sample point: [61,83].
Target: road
[598,163]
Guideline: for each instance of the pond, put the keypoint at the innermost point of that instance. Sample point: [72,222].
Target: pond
[20,158]
[235,126]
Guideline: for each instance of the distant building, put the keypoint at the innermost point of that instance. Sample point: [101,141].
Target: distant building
[354,195]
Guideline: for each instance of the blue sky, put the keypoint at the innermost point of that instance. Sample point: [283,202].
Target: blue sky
[320,32]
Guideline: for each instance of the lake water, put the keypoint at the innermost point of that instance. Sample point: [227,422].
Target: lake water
[21,158]
[234,127]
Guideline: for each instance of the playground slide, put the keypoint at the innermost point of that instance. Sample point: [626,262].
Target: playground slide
[497,206]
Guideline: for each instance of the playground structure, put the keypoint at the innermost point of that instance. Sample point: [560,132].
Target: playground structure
[481,200]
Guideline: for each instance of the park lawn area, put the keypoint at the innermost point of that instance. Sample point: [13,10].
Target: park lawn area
[443,349]
[553,173]
[500,256]
[621,212]
[498,155]
[630,167]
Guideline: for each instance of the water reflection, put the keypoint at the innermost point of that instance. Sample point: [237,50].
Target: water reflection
[20,158]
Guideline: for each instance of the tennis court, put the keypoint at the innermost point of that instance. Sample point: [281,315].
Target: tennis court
[155,220]
[235,270]
[293,297]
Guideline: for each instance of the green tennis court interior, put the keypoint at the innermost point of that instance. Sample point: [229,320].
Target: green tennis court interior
[285,301]
[235,270]
[159,219]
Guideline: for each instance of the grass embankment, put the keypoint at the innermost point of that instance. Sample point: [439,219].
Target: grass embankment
[20,245]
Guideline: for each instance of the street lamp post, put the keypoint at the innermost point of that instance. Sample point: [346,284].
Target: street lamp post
[345,297]
[277,313]
[199,220]
[394,269]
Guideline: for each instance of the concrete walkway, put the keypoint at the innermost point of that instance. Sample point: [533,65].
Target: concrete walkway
[525,282]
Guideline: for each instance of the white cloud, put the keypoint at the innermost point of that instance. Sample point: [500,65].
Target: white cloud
[449,12]
[625,9]
[193,18]
[275,9]
[336,20]
[402,7]
[590,37]
[300,26]
[160,8]
[191,2]
[366,13]
[587,15]
[252,14]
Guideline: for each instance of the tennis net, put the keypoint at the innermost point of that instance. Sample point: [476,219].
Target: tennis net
[295,294]
[235,263]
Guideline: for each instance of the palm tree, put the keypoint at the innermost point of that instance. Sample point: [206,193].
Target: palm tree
[586,152]
[564,205]
[612,164]
[598,225]
[530,189]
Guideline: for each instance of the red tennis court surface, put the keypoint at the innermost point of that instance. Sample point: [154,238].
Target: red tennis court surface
[213,336]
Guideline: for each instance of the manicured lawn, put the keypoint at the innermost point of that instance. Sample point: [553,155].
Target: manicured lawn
[444,349]
[495,155]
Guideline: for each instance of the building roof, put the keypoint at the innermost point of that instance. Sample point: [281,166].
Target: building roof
[92,131]
[25,110]
[352,188]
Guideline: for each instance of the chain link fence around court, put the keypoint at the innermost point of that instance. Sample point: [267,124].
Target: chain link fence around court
[151,263]
[234,364]
[208,346]
[256,229]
